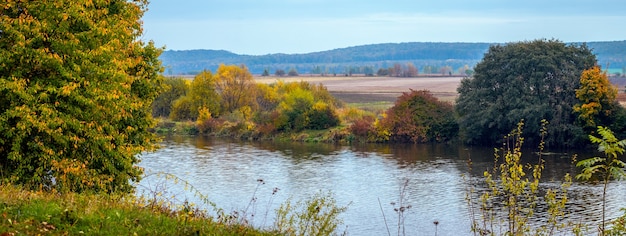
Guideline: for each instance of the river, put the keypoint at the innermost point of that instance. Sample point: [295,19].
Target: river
[365,178]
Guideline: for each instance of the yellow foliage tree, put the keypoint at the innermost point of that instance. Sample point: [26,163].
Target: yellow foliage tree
[76,85]
[204,93]
[596,97]
[236,87]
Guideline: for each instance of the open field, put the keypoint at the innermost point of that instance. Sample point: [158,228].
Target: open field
[377,90]
[383,91]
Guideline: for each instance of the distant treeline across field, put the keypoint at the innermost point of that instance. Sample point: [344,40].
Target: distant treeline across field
[404,59]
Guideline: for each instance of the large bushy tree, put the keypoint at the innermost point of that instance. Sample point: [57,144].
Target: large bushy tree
[532,81]
[76,85]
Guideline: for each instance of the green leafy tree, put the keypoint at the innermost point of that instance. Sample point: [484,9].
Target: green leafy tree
[174,88]
[604,168]
[76,86]
[526,80]
[294,109]
[382,72]
[183,109]
[322,116]
[279,72]
[420,117]
[292,72]
[305,106]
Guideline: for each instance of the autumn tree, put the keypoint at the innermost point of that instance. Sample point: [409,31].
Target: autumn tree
[76,85]
[235,85]
[183,109]
[202,94]
[445,70]
[596,97]
[597,104]
[267,96]
[174,88]
[397,70]
[420,117]
[411,70]
[532,81]
[305,106]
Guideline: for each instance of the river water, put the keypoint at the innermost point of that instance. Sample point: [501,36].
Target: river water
[365,178]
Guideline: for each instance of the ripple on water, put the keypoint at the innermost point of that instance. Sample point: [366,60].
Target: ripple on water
[365,179]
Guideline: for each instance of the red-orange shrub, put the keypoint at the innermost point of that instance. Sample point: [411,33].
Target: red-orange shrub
[420,117]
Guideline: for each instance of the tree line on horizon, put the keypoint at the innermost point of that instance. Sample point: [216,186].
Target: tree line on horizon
[396,70]
[340,61]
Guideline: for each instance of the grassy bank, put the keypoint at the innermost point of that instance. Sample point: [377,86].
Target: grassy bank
[44,213]
[339,134]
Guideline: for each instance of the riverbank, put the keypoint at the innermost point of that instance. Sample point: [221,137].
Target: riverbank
[27,212]
[339,134]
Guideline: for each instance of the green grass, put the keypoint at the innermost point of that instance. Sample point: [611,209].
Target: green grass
[26,212]
[375,107]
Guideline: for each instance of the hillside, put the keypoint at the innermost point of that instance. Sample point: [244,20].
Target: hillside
[427,57]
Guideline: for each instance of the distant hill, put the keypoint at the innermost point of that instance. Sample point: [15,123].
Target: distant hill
[427,57]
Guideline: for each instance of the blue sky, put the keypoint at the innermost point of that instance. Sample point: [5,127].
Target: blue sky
[258,27]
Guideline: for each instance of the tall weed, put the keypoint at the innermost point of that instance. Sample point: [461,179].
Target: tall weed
[512,194]
[318,215]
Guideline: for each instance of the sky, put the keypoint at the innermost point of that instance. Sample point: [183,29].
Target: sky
[259,27]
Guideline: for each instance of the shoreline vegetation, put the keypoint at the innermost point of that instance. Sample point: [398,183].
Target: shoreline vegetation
[370,93]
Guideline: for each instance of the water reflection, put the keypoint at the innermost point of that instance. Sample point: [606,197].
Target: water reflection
[366,177]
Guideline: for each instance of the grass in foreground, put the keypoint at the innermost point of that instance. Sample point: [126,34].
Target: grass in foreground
[33,213]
